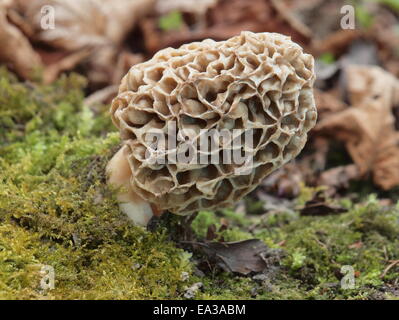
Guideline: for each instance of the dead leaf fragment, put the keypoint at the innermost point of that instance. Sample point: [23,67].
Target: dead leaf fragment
[102,96]
[319,207]
[339,177]
[337,42]
[284,182]
[69,62]
[95,26]
[16,51]
[84,23]
[241,257]
[368,127]
[327,104]
[225,19]
[273,204]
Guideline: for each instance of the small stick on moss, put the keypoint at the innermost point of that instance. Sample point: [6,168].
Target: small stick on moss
[390,266]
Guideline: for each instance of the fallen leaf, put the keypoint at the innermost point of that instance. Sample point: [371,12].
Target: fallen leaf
[337,42]
[224,19]
[386,202]
[102,96]
[84,23]
[284,182]
[368,127]
[339,177]
[295,23]
[327,104]
[384,31]
[241,257]
[99,26]
[69,62]
[274,204]
[319,207]
[322,17]
[16,51]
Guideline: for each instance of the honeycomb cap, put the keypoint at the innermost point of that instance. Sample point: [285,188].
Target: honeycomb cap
[257,82]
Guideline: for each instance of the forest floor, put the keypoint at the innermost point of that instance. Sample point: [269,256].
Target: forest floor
[56,211]
[324,226]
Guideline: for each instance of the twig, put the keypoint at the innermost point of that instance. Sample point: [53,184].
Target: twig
[393,263]
[101,96]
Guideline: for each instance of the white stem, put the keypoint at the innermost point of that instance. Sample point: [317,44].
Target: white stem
[119,174]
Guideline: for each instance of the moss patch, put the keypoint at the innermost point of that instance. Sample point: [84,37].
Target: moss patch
[56,210]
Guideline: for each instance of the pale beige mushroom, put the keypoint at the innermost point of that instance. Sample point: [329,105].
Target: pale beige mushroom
[262,82]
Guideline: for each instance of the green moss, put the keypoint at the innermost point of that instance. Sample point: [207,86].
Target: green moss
[171,21]
[56,210]
[365,238]
[327,58]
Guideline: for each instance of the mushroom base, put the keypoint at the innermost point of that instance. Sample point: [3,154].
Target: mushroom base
[119,174]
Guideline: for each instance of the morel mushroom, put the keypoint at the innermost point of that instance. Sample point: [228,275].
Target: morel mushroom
[259,83]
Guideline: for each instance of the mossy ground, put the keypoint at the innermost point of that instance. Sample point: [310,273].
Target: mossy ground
[56,210]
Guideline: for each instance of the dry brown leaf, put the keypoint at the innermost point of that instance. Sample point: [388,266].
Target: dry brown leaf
[385,32]
[67,63]
[80,25]
[16,51]
[284,182]
[291,19]
[368,127]
[319,207]
[339,177]
[272,16]
[241,257]
[226,19]
[102,96]
[321,16]
[125,61]
[337,42]
[327,103]
[272,204]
